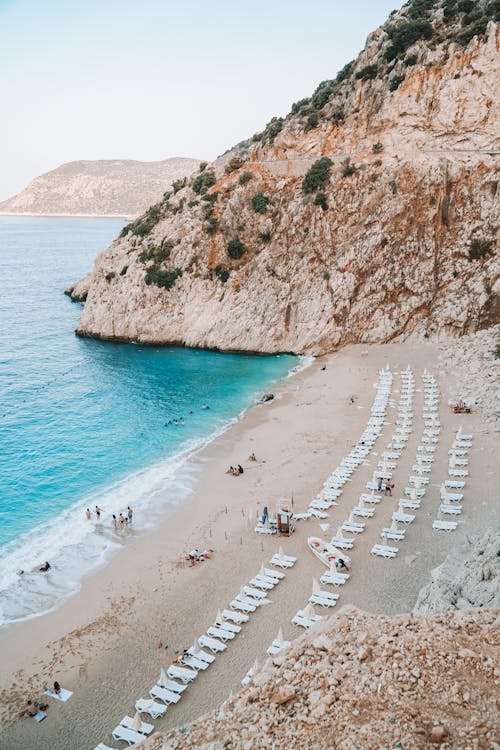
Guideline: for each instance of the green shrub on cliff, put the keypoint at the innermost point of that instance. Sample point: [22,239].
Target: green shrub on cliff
[367,73]
[162,279]
[235,249]
[260,203]
[480,248]
[322,94]
[221,273]
[406,34]
[203,181]
[233,164]
[321,201]
[317,176]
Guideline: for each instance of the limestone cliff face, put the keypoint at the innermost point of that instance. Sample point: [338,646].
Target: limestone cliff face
[399,238]
[118,187]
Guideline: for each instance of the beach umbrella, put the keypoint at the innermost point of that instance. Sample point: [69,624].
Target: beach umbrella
[443,491]
[309,610]
[195,647]
[459,430]
[262,572]
[316,587]
[324,526]
[242,593]
[339,532]
[163,677]
[136,722]
[333,567]
[413,493]
[394,526]
[351,517]
[281,553]
[361,503]
[418,483]
[218,619]
[279,637]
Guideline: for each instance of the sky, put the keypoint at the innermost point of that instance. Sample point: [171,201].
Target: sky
[151,79]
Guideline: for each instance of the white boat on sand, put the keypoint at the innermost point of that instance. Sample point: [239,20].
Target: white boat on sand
[328,554]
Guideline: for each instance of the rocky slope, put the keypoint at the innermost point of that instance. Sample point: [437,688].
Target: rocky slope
[365,681]
[392,232]
[359,680]
[116,187]
[470,364]
[467,579]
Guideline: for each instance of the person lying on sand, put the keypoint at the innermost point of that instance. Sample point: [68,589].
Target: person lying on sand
[31,709]
[28,710]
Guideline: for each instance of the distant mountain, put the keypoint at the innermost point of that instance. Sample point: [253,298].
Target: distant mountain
[119,187]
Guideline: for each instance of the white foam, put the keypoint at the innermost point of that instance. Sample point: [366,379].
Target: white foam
[75,546]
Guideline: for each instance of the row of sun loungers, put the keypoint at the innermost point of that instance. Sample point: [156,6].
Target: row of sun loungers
[450,501]
[364,509]
[401,434]
[173,682]
[419,479]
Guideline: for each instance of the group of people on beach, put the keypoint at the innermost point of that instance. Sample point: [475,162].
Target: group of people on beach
[385,486]
[31,708]
[195,556]
[181,420]
[235,471]
[120,521]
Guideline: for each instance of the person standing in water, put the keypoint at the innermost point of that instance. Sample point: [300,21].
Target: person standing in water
[130,514]
[98,512]
[88,514]
[114,521]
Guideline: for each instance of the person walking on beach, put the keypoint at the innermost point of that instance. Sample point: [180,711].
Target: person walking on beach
[88,514]
[130,514]
[98,512]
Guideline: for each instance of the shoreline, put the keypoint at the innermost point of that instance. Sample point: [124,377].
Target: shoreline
[102,643]
[186,460]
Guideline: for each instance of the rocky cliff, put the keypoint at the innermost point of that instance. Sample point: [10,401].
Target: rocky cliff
[369,212]
[361,681]
[466,579]
[106,188]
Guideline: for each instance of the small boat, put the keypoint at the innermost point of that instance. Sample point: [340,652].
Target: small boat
[327,553]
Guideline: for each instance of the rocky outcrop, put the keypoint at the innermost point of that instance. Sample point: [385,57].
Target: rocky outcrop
[365,681]
[471,366]
[467,579]
[117,187]
[394,234]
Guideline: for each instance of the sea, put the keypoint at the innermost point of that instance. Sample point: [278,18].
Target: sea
[86,423]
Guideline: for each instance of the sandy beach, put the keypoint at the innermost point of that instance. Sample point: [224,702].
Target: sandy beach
[103,643]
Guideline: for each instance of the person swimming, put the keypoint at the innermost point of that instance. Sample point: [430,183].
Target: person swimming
[45,567]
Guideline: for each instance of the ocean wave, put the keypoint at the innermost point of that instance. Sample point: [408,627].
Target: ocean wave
[76,547]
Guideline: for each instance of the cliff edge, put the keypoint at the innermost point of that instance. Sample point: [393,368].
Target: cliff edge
[368,213]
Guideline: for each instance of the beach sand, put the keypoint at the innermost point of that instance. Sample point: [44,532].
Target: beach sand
[102,643]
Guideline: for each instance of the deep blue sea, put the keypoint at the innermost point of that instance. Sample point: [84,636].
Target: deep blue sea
[84,422]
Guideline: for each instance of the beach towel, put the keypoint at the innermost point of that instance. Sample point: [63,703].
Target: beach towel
[40,716]
[63,696]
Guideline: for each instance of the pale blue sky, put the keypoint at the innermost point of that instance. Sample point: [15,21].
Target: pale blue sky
[149,79]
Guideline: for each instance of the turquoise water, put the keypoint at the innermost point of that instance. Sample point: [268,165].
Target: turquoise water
[85,422]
